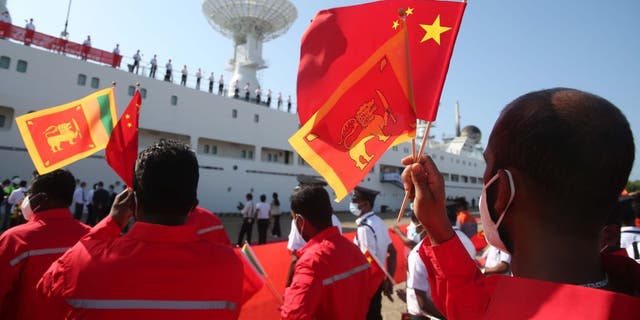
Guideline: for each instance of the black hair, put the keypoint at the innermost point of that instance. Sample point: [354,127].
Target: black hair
[58,185]
[166,178]
[275,199]
[313,203]
[249,196]
[576,148]
[263,197]
[23,183]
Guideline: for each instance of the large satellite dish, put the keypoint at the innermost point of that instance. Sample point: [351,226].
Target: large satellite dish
[249,23]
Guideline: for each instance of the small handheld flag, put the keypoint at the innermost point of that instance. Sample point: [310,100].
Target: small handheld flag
[253,261]
[122,149]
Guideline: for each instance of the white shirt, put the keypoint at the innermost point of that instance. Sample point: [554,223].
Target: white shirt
[199,74]
[136,56]
[258,91]
[154,62]
[221,80]
[377,243]
[17,196]
[116,50]
[495,256]
[184,71]
[263,210]
[90,196]
[169,66]
[78,196]
[211,78]
[416,279]
[30,26]
[295,239]
[87,43]
[628,235]
[248,210]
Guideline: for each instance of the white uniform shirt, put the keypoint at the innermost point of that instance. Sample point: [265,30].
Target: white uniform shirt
[154,61]
[116,50]
[628,235]
[221,80]
[263,210]
[295,239]
[16,196]
[136,57]
[30,26]
[211,77]
[168,66]
[184,71]
[87,43]
[248,210]
[377,243]
[495,256]
[416,279]
[78,196]
[199,74]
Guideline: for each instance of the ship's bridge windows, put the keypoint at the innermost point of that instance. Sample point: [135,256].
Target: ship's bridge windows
[131,91]
[174,100]
[95,82]
[301,161]
[5,62]
[21,66]
[473,180]
[6,117]
[406,150]
[394,148]
[82,79]
[441,157]
[455,178]
[143,93]
[276,155]
[480,180]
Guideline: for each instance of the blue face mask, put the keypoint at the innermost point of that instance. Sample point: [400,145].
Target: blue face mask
[353,208]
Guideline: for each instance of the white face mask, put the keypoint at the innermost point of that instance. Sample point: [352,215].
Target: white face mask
[353,208]
[25,208]
[491,228]
[412,233]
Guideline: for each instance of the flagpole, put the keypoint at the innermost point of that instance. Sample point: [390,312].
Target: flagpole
[407,50]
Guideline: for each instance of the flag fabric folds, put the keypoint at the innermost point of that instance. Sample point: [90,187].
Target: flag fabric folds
[251,257]
[61,135]
[358,65]
[122,149]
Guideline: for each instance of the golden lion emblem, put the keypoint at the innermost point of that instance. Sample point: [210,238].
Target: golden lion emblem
[63,132]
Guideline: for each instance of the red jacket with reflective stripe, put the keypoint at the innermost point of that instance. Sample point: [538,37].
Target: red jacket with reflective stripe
[460,291]
[330,280]
[26,252]
[208,226]
[152,272]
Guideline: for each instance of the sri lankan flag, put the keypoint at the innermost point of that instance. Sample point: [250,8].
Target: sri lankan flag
[58,136]
[366,73]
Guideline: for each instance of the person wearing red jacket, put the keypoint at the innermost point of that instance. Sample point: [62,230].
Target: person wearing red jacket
[160,269]
[332,279]
[556,162]
[27,250]
[208,226]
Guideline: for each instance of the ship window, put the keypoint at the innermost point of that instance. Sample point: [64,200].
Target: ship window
[480,180]
[214,149]
[473,180]
[394,148]
[95,82]
[256,118]
[82,79]
[5,62]
[131,91]
[269,157]
[174,100]
[445,176]
[234,113]
[464,162]
[455,178]
[21,66]
[275,158]
[6,116]
[244,154]
[205,148]
[441,157]
[465,179]
[250,154]
[406,150]
[143,93]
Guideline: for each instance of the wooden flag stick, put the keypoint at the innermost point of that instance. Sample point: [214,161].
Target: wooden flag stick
[405,201]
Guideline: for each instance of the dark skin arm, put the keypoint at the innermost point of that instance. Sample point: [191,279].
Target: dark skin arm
[387,286]
[426,305]
[407,242]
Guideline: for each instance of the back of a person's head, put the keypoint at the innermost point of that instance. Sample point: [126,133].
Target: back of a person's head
[166,178]
[313,203]
[263,198]
[575,147]
[58,186]
[23,183]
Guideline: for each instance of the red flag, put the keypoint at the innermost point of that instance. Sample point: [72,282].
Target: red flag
[356,32]
[354,96]
[58,136]
[122,149]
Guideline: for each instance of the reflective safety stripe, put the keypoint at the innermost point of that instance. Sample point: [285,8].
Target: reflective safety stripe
[345,275]
[37,252]
[209,229]
[151,304]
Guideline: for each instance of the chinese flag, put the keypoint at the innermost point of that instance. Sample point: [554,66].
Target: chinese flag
[122,150]
[61,135]
[354,95]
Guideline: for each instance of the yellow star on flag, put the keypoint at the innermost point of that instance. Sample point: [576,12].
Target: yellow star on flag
[127,116]
[396,24]
[409,11]
[129,124]
[433,31]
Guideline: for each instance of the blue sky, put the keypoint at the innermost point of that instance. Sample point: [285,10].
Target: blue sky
[504,48]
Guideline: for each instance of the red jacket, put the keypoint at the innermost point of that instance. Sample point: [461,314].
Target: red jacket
[152,272]
[330,280]
[26,252]
[460,291]
[208,226]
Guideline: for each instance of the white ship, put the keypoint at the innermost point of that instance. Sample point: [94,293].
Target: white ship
[241,146]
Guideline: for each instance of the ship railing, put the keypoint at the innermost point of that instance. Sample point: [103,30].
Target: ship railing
[66,47]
